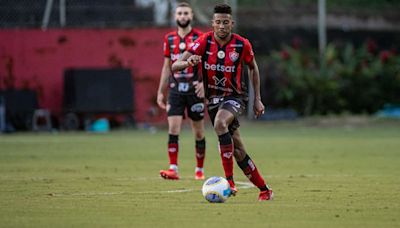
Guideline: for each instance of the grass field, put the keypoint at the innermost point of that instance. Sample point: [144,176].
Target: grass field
[322,176]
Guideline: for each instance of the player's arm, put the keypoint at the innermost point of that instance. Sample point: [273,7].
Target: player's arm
[165,72]
[187,59]
[254,75]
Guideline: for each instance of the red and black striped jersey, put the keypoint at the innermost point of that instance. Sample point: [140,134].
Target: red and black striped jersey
[222,65]
[174,46]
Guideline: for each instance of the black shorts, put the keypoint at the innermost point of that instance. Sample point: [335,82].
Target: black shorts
[234,105]
[177,104]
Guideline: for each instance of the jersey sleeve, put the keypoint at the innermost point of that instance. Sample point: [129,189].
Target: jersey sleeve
[167,51]
[198,46]
[248,54]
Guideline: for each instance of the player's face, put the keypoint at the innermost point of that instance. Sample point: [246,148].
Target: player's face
[183,16]
[222,24]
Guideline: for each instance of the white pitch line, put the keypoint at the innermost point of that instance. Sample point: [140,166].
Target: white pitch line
[240,185]
[244,185]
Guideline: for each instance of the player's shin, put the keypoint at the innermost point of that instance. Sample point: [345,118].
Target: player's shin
[200,152]
[251,171]
[226,152]
[200,155]
[173,149]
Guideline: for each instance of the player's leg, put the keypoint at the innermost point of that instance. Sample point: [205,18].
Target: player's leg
[225,123]
[249,168]
[174,128]
[175,111]
[195,110]
[200,147]
[221,122]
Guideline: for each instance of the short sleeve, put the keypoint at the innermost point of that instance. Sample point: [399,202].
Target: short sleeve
[167,52]
[198,46]
[248,54]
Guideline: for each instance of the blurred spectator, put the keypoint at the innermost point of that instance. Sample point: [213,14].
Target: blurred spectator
[160,8]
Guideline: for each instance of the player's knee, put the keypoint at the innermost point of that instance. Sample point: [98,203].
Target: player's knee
[174,130]
[220,126]
[199,135]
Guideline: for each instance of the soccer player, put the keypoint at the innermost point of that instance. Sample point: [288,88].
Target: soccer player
[185,93]
[222,54]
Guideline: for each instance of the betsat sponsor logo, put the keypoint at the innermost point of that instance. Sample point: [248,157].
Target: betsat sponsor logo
[175,57]
[220,68]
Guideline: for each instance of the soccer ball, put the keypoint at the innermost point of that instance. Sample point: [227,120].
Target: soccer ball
[216,190]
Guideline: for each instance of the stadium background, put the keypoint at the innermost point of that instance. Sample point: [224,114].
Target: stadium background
[40,40]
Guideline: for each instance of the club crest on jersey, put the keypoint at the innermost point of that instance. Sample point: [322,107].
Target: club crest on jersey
[233,56]
[182,46]
[221,54]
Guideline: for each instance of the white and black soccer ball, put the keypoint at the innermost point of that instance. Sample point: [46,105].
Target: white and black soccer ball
[216,190]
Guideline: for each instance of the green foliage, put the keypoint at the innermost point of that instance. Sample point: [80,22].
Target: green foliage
[358,80]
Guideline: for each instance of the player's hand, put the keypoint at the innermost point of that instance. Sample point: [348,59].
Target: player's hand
[258,108]
[160,101]
[194,60]
[199,89]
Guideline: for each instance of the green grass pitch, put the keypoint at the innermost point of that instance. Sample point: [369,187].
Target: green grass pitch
[322,176]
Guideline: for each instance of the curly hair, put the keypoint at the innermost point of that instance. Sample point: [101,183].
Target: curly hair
[223,8]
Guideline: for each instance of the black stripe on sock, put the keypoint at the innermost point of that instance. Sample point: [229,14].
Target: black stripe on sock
[173,138]
[225,139]
[243,164]
[201,143]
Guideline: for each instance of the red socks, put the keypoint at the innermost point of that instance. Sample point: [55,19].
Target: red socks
[173,149]
[200,152]
[226,152]
[226,148]
[250,170]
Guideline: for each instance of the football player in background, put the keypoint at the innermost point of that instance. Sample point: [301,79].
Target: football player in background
[185,93]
